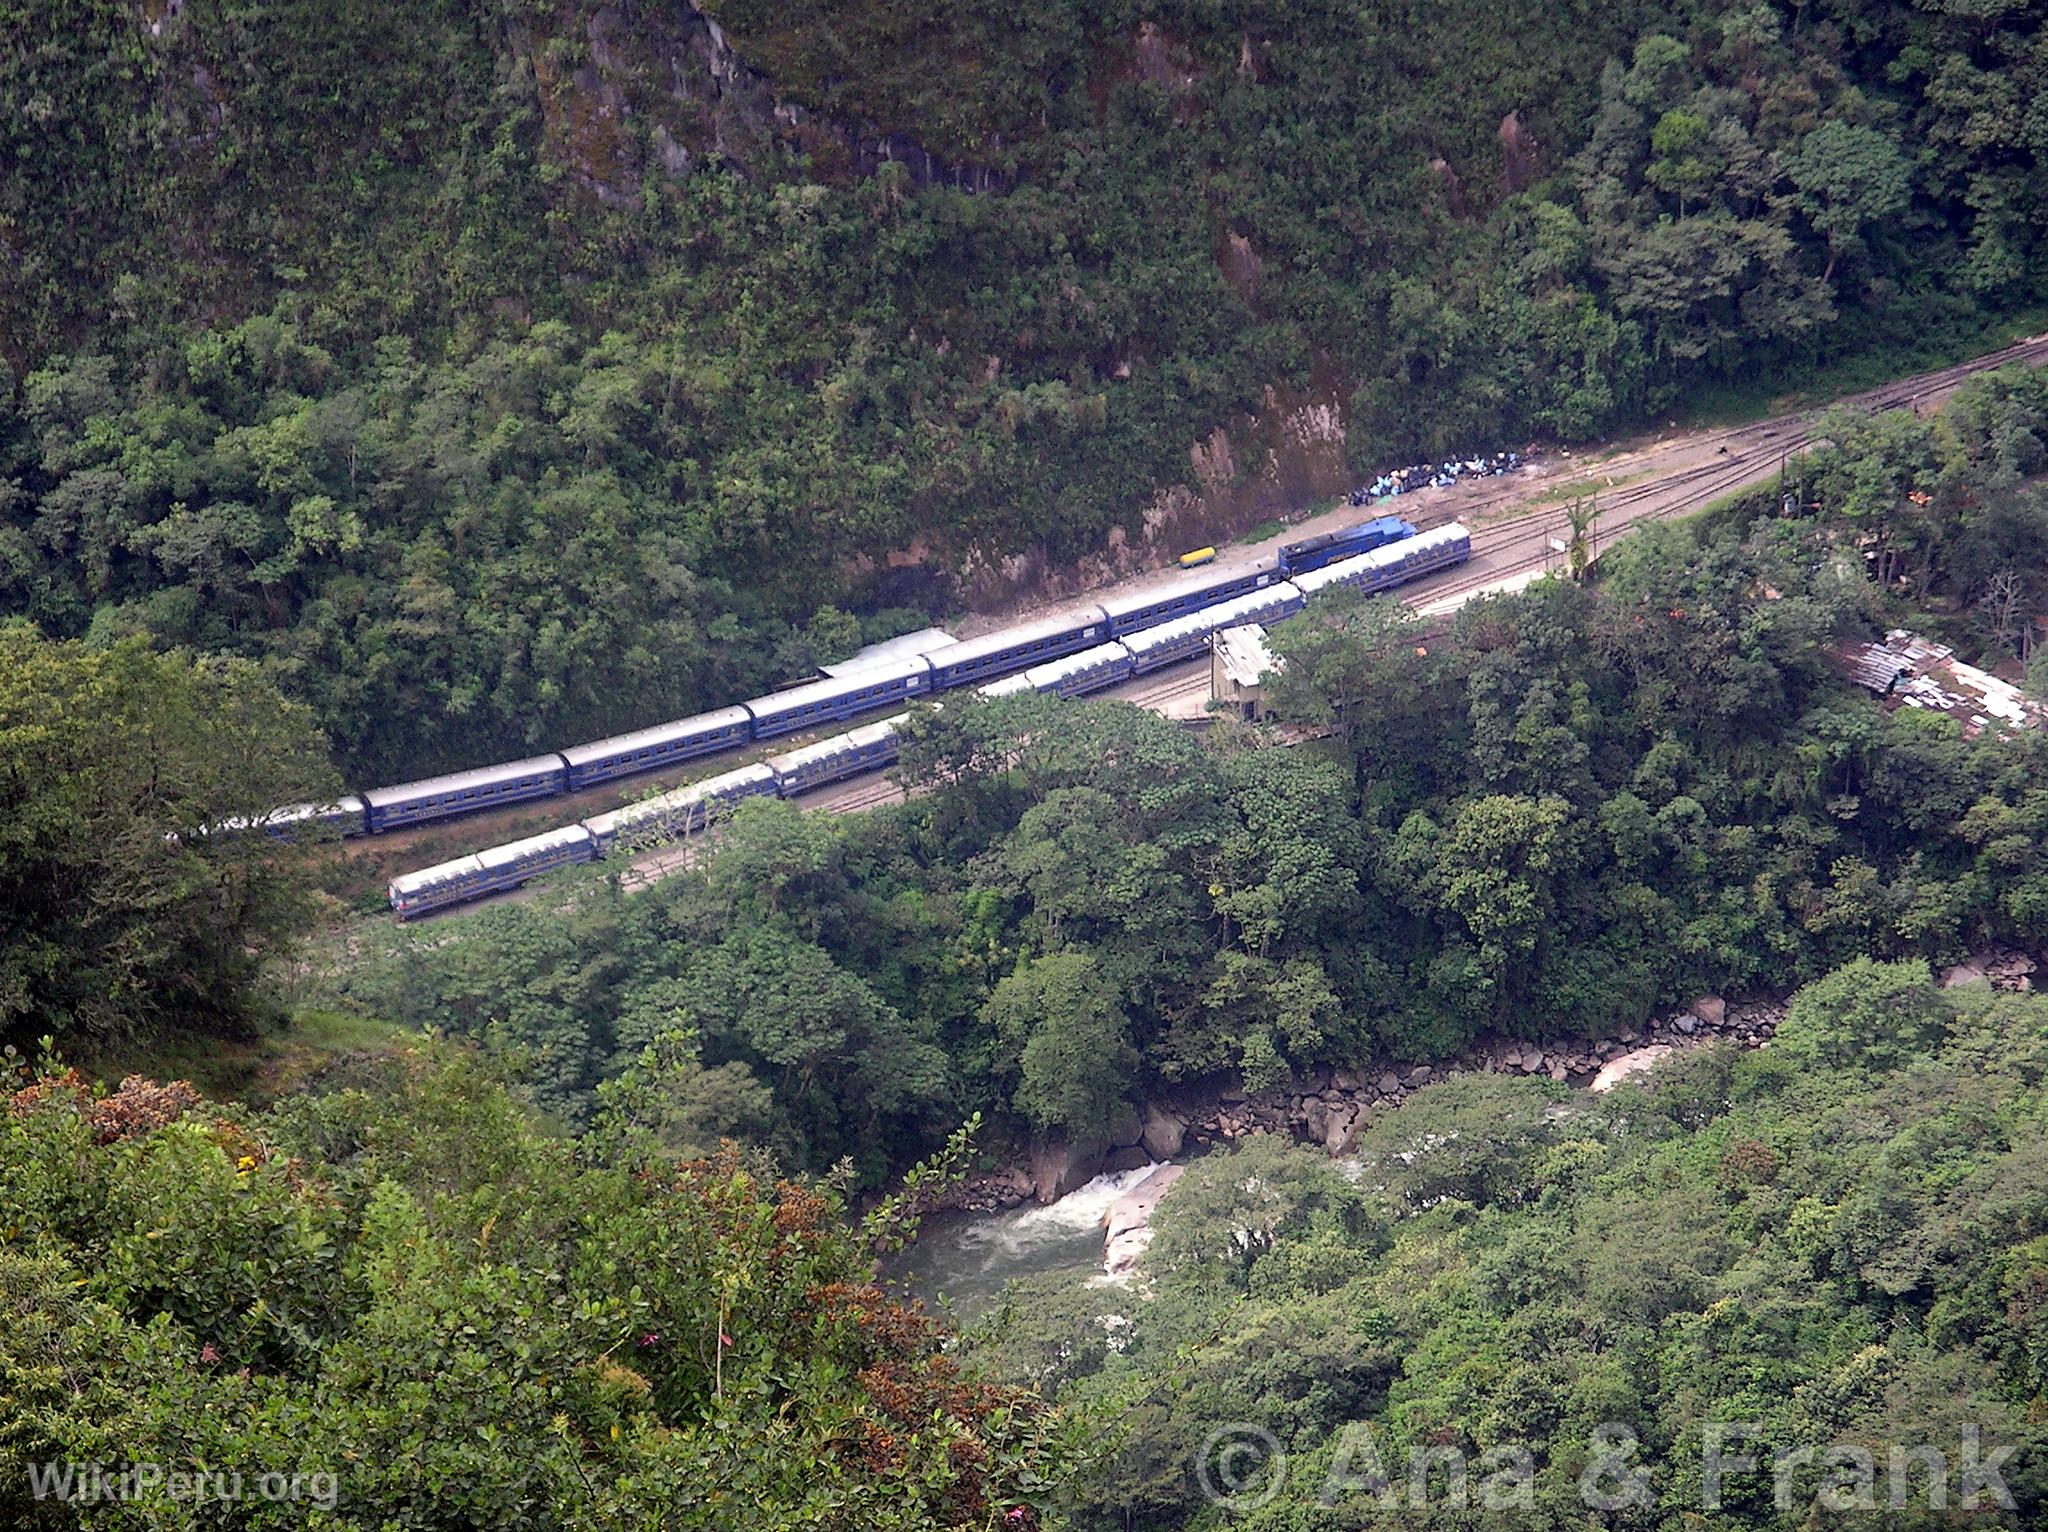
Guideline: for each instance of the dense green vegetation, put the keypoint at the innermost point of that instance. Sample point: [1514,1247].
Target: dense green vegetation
[1842,1240]
[543,378]
[418,1310]
[115,918]
[1581,805]
[448,380]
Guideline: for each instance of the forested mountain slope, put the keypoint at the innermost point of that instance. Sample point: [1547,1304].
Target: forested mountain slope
[1575,807]
[501,373]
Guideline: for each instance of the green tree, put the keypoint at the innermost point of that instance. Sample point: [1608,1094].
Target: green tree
[456,1320]
[1063,1018]
[1849,177]
[127,901]
[1865,1014]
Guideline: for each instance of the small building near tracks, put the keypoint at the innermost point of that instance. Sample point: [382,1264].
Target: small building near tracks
[1239,663]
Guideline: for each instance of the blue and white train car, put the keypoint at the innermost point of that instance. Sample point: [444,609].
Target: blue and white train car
[1088,671]
[815,702]
[1365,571]
[1163,603]
[464,792]
[1442,548]
[648,749]
[868,748]
[344,815]
[678,813]
[434,888]
[994,654]
[1395,564]
[1009,686]
[489,871]
[1185,637]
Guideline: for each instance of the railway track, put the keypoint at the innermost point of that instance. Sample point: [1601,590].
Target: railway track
[1729,459]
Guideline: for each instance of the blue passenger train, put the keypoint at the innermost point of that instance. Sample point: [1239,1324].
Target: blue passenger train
[873,746]
[1081,632]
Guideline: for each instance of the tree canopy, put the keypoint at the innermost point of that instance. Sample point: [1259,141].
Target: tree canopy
[126,902]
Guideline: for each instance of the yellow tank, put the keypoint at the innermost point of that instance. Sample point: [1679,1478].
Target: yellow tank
[1199,556]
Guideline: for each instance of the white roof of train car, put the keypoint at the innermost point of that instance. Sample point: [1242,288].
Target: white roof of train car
[1345,570]
[812,692]
[1052,672]
[455,781]
[837,745]
[1224,614]
[656,734]
[903,646]
[1137,601]
[533,845]
[971,649]
[647,810]
[440,872]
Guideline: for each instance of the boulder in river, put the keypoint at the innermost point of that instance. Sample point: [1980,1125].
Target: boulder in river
[1059,1167]
[1340,1129]
[1635,1062]
[1162,1133]
[1125,1126]
[1128,1225]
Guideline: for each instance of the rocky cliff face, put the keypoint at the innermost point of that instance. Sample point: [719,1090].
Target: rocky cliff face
[636,90]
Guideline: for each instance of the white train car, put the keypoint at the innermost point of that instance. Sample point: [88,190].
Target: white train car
[678,813]
[1088,671]
[649,749]
[868,748]
[1186,637]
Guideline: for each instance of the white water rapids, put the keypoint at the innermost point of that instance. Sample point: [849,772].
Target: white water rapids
[967,1258]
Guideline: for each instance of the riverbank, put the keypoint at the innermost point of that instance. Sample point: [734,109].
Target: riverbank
[1330,1110]
[999,1226]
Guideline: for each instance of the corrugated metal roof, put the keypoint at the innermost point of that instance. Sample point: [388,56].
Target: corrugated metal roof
[903,646]
[1246,659]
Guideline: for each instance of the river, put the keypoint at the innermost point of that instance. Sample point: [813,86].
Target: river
[966,1258]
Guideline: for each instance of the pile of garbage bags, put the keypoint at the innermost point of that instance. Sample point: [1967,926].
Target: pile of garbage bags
[1434,475]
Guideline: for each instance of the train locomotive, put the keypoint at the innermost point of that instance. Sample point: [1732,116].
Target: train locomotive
[1069,665]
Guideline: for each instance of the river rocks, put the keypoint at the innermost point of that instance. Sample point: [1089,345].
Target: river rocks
[1334,1116]
[1999,967]
[1162,1133]
[1340,1129]
[1638,1061]
[1128,1224]
[1058,1167]
[1314,1117]
[1125,1128]
[990,1192]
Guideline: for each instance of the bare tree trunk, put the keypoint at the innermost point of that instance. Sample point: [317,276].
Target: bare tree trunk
[2003,596]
